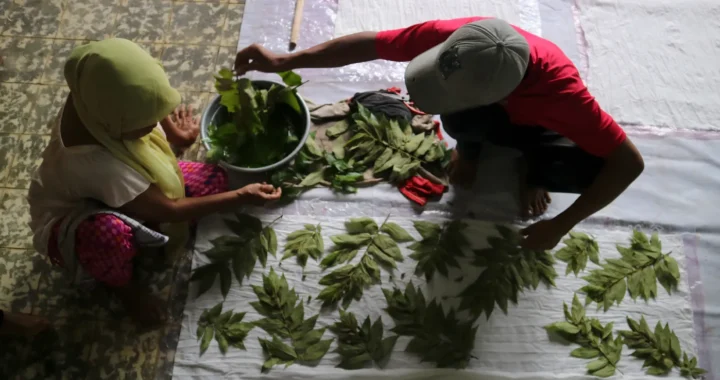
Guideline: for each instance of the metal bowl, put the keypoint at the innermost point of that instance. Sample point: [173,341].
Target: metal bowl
[215,112]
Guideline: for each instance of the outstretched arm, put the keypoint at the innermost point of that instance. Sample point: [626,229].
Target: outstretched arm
[353,48]
[153,206]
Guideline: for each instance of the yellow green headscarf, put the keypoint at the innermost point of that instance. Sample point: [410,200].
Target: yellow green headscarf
[117,87]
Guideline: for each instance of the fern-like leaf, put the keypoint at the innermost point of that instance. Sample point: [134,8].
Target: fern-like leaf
[659,348]
[438,337]
[637,272]
[509,270]
[380,247]
[578,248]
[595,339]
[439,249]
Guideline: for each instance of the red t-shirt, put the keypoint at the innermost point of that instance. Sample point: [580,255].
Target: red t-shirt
[552,95]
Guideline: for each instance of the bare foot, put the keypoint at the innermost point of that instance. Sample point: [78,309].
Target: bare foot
[144,308]
[534,202]
[23,324]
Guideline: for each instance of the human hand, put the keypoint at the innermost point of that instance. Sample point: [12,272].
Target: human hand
[181,128]
[259,193]
[543,235]
[462,171]
[256,57]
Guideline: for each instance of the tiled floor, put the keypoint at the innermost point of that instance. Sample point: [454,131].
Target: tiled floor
[92,338]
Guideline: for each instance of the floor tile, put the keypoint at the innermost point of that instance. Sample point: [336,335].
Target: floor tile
[14,219]
[231,30]
[59,298]
[48,102]
[190,67]
[62,352]
[88,19]
[123,351]
[60,52]
[35,18]
[144,20]
[8,147]
[15,104]
[225,59]
[155,50]
[18,279]
[23,58]
[197,23]
[28,157]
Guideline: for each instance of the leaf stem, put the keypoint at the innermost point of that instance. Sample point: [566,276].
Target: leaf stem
[274,221]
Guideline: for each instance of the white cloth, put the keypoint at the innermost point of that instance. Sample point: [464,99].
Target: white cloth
[75,180]
[513,346]
[364,15]
[654,62]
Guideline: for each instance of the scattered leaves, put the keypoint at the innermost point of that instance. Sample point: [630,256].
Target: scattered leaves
[284,319]
[380,245]
[637,272]
[359,345]
[659,348]
[438,337]
[227,328]
[241,251]
[440,247]
[305,243]
[578,248]
[595,339]
[509,270]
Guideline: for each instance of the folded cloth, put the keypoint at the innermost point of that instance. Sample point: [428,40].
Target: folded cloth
[144,237]
[420,190]
[327,112]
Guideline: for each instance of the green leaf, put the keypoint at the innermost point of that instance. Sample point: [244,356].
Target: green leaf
[271,238]
[304,243]
[427,230]
[396,232]
[564,327]
[606,371]
[585,353]
[337,129]
[206,339]
[313,178]
[290,78]
[361,225]
[597,365]
[225,280]
[352,240]
[222,343]
[317,350]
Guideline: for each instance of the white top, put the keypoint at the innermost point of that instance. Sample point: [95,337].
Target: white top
[77,179]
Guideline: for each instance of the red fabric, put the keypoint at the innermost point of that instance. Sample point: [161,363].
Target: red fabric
[552,95]
[419,190]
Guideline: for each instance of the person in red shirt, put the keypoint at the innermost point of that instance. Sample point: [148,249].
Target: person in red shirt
[491,81]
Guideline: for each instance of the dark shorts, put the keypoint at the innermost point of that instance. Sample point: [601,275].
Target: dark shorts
[553,162]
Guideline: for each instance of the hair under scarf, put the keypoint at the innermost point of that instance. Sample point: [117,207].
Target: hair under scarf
[117,87]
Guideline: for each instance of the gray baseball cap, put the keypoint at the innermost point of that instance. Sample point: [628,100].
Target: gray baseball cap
[479,64]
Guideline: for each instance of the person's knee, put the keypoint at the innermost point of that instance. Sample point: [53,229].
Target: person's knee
[105,248]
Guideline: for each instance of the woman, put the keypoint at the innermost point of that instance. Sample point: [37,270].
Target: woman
[109,165]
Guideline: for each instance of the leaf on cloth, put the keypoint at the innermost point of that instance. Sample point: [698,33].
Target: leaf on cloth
[440,248]
[305,243]
[595,339]
[240,253]
[660,348]
[637,272]
[380,247]
[438,337]
[359,345]
[337,129]
[509,270]
[284,319]
[578,248]
[227,328]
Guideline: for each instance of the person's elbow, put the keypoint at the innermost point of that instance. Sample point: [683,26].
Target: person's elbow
[628,159]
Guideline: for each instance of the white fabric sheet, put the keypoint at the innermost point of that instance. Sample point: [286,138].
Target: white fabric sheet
[363,15]
[655,62]
[509,346]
